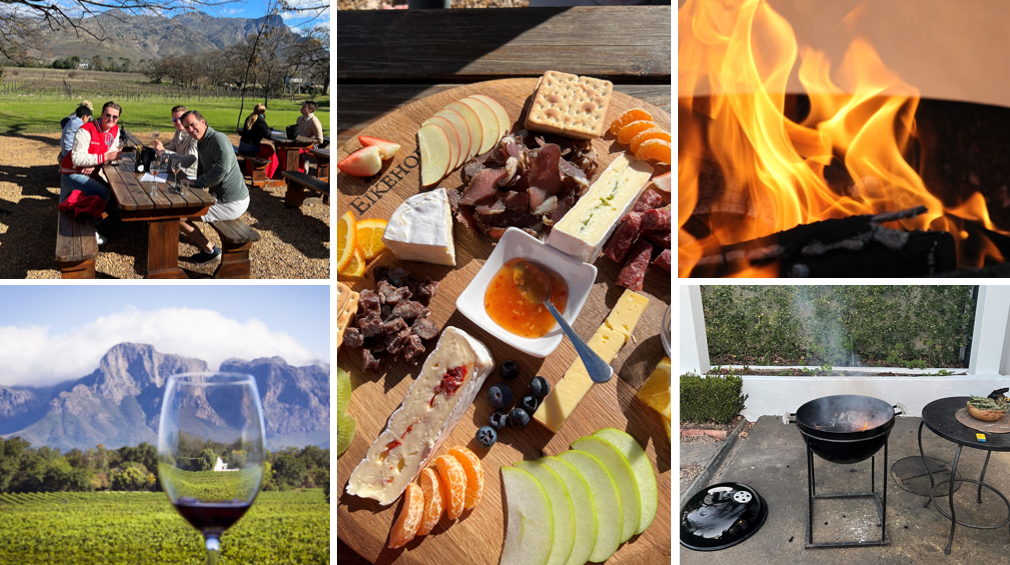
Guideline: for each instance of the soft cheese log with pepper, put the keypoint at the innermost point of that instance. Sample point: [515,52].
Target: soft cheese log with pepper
[447,385]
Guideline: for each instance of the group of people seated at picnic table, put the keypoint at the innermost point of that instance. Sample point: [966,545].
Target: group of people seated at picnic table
[308,130]
[86,145]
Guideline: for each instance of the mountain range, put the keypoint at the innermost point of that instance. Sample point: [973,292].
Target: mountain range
[119,403]
[149,37]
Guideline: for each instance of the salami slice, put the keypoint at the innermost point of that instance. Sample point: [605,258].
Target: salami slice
[624,237]
[632,276]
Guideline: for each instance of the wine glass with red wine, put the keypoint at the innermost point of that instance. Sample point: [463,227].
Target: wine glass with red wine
[211,450]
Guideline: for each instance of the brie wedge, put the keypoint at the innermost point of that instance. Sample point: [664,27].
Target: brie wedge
[447,385]
[421,229]
[582,232]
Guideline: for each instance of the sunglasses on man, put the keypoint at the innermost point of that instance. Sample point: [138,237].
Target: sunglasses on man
[114,118]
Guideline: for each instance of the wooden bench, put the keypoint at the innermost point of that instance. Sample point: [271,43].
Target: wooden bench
[236,242]
[76,246]
[297,183]
[259,175]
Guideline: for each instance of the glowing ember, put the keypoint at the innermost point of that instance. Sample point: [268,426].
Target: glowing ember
[861,118]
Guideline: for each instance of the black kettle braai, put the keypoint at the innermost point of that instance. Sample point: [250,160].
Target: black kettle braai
[721,516]
[845,428]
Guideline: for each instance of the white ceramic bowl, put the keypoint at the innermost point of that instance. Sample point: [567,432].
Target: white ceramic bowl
[517,243]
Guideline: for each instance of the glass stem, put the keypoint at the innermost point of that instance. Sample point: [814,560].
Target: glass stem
[213,549]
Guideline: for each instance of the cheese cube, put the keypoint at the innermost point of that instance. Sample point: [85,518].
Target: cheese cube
[421,229]
[626,313]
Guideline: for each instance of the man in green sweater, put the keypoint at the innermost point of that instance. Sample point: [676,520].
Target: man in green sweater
[218,172]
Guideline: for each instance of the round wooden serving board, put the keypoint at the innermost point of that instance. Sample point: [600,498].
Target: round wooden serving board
[477,536]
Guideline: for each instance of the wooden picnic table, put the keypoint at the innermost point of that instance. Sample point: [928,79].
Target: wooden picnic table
[163,210]
[389,59]
[322,157]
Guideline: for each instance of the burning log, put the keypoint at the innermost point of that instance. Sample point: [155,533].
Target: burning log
[857,246]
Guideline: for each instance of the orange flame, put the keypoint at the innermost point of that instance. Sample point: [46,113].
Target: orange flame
[862,115]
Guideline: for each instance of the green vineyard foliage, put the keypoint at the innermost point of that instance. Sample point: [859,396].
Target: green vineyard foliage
[119,528]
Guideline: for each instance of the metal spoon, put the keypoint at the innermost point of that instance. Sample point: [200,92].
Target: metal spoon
[535,285]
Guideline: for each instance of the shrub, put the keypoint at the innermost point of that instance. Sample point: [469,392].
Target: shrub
[710,399]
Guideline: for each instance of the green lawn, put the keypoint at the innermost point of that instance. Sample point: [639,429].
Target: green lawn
[34,115]
[112,528]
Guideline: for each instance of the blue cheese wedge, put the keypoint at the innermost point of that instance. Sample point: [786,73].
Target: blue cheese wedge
[586,227]
[447,385]
[421,229]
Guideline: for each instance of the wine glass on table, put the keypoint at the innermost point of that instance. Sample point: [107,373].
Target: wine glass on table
[211,450]
[176,167]
[155,133]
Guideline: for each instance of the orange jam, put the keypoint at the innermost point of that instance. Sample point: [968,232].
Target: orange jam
[507,306]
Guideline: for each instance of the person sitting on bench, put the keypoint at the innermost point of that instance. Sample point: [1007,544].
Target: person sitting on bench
[181,144]
[219,173]
[310,130]
[95,144]
[251,142]
[80,117]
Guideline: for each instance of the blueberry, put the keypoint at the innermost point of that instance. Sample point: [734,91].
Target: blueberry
[530,403]
[499,419]
[509,369]
[486,436]
[518,418]
[500,396]
[539,387]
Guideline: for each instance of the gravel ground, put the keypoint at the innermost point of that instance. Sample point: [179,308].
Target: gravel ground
[401,4]
[294,244]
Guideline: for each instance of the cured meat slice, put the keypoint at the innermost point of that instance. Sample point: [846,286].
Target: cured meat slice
[649,200]
[663,260]
[483,185]
[564,205]
[497,206]
[547,206]
[632,276]
[518,202]
[544,173]
[662,239]
[537,197]
[624,237]
[453,196]
[657,220]
[465,217]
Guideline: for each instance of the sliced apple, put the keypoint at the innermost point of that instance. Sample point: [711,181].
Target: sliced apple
[472,123]
[387,148]
[609,519]
[462,131]
[624,479]
[488,121]
[504,124]
[364,162]
[435,154]
[454,146]
[530,527]
[582,503]
[644,475]
[561,509]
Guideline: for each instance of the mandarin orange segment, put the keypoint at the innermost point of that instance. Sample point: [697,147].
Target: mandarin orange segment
[629,131]
[632,115]
[432,490]
[370,237]
[474,475]
[453,479]
[651,133]
[356,266]
[410,517]
[347,240]
[655,150]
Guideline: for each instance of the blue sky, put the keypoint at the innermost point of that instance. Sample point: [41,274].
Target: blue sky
[257,9]
[52,333]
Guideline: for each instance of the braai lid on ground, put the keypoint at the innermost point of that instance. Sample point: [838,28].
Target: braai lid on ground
[720,516]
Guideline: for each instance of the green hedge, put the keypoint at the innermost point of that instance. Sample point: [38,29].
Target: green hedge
[868,325]
[710,399]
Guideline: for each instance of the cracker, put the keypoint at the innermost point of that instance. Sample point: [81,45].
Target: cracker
[347,306]
[569,105]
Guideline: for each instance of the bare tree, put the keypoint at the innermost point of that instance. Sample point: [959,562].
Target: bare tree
[311,55]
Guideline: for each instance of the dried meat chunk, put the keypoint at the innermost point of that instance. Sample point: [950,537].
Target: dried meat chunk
[649,200]
[353,338]
[394,342]
[393,295]
[393,326]
[427,290]
[425,328]
[370,361]
[662,239]
[368,302]
[624,237]
[413,347]
[657,220]
[397,276]
[632,276]
[370,325]
[410,310]
[380,273]
[662,261]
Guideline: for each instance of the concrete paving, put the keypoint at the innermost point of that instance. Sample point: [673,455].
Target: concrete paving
[772,460]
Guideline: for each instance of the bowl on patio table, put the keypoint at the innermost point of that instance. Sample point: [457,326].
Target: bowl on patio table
[985,415]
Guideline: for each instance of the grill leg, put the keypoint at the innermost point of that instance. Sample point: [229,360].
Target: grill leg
[930,473]
[810,496]
[982,478]
[883,517]
[873,473]
[953,516]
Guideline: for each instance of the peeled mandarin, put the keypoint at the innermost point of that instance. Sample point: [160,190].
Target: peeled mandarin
[453,479]
[651,133]
[410,517]
[432,501]
[655,150]
[474,475]
[629,131]
[632,115]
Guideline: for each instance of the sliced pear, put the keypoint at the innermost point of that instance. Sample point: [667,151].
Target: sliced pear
[646,477]
[488,121]
[462,131]
[504,124]
[472,123]
[561,509]
[455,151]
[609,519]
[624,479]
[435,153]
[582,503]
[530,530]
